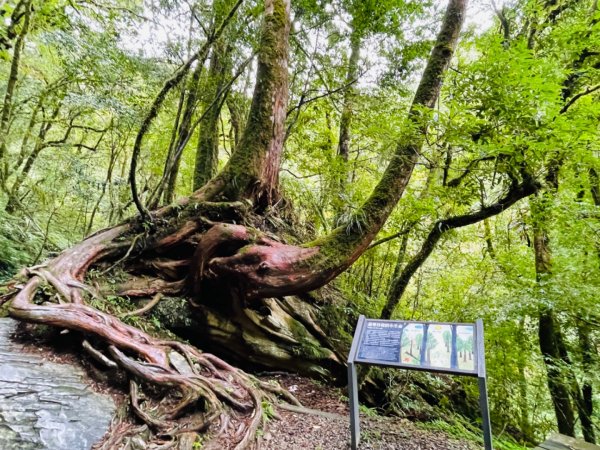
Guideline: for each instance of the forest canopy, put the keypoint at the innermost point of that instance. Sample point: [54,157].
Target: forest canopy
[192,187]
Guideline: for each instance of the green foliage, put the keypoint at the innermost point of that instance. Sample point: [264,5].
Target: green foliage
[85,81]
[368,412]
[464,430]
[268,413]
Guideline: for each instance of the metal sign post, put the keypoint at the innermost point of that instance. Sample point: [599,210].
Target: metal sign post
[453,348]
[482,382]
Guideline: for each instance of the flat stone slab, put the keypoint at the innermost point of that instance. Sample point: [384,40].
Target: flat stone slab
[46,405]
[561,442]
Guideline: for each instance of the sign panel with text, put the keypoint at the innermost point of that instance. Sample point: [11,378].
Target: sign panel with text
[454,348]
[442,347]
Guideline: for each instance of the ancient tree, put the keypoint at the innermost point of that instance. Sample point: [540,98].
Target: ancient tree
[246,288]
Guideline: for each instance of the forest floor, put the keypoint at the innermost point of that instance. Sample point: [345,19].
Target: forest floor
[323,423]
[326,425]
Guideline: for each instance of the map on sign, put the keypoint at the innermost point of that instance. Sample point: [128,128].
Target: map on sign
[441,346]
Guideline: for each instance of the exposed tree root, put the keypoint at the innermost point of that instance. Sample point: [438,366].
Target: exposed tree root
[144,309]
[197,392]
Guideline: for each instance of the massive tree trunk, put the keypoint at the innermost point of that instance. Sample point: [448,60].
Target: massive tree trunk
[239,280]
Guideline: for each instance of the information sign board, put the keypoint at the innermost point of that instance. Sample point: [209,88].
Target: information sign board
[432,346]
[454,348]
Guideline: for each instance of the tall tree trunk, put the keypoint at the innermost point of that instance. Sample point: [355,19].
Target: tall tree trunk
[343,150]
[207,152]
[40,144]
[235,117]
[561,384]
[10,91]
[159,191]
[253,169]
[585,419]
[563,409]
[548,331]
[183,133]
[588,354]
[522,360]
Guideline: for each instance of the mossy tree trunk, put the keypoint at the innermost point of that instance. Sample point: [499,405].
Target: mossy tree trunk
[343,150]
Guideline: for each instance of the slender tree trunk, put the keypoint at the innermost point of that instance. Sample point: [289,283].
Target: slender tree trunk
[588,355]
[28,134]
[207,152]
[107,181]
[343,150]
[235,117]
[565,418]
[183,134]
[155,198]
[524,422]
[547,328]
[585,419]
[40,144]
[10,91]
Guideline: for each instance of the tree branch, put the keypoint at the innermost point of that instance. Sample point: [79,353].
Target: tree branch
[398,286]
[158,101]
[576,97]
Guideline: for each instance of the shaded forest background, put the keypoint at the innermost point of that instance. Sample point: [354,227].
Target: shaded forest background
[500,220]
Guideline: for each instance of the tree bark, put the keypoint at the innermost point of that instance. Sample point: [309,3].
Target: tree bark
[253,169]
[10,90]
[563,409]
[588,355]
[343,150]
[234,276]
[40,144]
[207,152]
[318,262]
[171,83]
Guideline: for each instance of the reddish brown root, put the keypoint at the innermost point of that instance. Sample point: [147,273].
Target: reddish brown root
[262,266]
[201,392]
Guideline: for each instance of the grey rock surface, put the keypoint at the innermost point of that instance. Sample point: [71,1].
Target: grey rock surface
[46,405]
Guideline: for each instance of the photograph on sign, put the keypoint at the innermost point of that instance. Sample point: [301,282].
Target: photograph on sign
[411,343]
[465,347]
[422,345]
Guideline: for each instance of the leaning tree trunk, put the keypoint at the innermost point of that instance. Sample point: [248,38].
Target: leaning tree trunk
[238,279]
